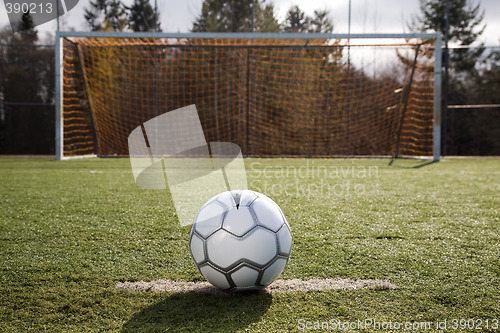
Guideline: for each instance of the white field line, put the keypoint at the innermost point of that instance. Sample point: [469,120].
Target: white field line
[278,286]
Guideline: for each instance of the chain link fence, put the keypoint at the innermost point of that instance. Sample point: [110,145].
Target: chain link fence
[27,112]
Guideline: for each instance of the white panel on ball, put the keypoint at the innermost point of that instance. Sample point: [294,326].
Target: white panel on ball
[224,249]
[209,219]
[244,218]
[247,197]
[227,199]
[273,271]
[215,277]
[209,211]
[284,240]
[268,214]
[246,238]
[245,276]
[197,249]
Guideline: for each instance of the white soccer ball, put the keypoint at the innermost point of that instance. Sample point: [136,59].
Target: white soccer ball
[240,240]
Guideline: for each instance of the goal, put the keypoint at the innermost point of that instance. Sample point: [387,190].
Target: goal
[299,95]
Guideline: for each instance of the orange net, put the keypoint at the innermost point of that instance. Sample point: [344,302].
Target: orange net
[272,97]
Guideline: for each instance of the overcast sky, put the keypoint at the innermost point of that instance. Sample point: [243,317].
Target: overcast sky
[368,16]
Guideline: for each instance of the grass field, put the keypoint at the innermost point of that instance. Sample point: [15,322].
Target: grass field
[70,230]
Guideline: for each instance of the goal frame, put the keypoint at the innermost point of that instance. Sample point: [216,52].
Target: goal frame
[59,130]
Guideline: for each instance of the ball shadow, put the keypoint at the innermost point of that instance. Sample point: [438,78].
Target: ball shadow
[200,312]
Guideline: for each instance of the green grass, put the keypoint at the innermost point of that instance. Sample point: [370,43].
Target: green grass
[70,230]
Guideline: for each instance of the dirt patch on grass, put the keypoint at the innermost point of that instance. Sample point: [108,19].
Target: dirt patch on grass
[278,286]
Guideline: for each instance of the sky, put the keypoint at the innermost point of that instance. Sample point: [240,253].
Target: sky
[367,16]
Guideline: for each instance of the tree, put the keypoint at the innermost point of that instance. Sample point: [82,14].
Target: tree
[265,18]
[224,16]
[28,34]
[482,126]
[106,15]
[236,16]
[465,26]
[143,17]
[26,91]
[207,21]
[490,79]
[296,20]
[321,23]
[20,63]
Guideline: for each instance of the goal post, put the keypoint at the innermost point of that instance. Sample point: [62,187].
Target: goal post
[298,95]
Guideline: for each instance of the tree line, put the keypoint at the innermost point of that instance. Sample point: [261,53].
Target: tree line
[27,83]
[474,76]
[215,16]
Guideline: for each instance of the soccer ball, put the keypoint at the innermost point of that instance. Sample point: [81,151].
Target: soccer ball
[240,240]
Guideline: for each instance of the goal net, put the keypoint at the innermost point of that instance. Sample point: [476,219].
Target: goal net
[301,96]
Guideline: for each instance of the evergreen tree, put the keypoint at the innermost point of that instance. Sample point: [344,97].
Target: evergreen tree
[26,82]
[106,15]
[142,16]
[92,15]
[20,81]
[465,27]
[489,80]
[224,16]
[28,34]
[296,20]
[321,23]
[236,16]
[265,18]
[207,21]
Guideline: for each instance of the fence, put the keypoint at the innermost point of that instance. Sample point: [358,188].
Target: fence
[27,111]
